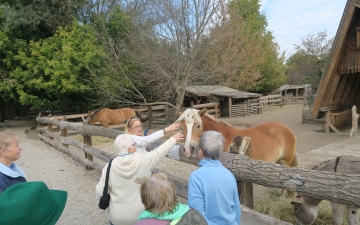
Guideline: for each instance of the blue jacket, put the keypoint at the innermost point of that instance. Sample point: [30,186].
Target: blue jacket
[10,176]
[212,190]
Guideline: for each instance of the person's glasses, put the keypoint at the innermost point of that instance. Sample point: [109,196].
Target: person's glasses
[138,127]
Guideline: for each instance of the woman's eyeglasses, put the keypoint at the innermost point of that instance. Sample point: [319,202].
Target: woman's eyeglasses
[137,127]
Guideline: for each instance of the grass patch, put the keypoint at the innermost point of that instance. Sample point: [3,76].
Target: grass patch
[273,206]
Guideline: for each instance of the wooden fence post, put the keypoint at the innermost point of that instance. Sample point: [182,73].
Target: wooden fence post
[167,114]
[327,122]
[242,145]
[88,141]
[64,132]
[355,121]
[39,124]
[217,111]
[49,125]
[230,107]
[150,116]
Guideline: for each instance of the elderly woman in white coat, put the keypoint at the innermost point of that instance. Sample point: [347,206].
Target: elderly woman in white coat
[135,128]
[125,202]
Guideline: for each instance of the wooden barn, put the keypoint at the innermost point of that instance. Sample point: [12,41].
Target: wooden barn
[339,88]
[232,102]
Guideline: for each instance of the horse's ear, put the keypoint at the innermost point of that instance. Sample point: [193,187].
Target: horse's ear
[202,112]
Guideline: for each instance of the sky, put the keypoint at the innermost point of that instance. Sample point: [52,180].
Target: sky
[292,20]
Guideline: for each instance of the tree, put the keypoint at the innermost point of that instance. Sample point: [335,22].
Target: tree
[271,66]
[52,73]
[169,43]
[307,64]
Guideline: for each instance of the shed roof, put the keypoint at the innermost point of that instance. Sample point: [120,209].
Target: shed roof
[289,86]
[218,90]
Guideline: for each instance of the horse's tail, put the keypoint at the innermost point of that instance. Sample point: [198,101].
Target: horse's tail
[141,118]
[294,163]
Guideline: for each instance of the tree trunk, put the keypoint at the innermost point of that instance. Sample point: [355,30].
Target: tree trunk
[341,188]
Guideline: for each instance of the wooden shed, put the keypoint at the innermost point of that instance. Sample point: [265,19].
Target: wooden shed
[293,93]
[232,102]
[339,88]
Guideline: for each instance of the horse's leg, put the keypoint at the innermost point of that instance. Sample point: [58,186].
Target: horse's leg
[105,124]
[337,213]
[353,215]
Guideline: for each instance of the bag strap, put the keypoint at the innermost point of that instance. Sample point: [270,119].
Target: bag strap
[107,179]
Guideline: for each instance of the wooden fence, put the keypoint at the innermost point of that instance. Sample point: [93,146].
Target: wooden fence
[158,114]
[251,106]
[244,169]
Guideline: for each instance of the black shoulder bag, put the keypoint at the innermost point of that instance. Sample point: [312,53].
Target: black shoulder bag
[105,199]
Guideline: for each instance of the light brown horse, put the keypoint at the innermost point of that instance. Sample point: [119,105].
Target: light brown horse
[270,142]
[106,116]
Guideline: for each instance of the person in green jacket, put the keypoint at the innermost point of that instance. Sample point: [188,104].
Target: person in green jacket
[158,195]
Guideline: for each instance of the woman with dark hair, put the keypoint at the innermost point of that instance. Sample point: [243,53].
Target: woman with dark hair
[158,195]
[135,128]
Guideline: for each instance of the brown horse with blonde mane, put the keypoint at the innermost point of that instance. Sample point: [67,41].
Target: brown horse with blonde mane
[106,116]
[270,142]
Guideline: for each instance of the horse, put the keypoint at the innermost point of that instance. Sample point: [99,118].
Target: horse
[106,116]
[306,207]
[270,142]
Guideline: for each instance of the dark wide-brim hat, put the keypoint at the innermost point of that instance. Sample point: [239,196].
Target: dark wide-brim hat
[31,203]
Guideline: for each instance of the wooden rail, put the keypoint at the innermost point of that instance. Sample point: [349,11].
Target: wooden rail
[244,169]
[157,114]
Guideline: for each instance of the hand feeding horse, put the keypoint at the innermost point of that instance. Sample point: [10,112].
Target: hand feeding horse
[306,207]
[270,142]
[106,116]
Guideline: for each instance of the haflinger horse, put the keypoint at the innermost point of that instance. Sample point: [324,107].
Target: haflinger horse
[106,116]
[270,142]
[306,207]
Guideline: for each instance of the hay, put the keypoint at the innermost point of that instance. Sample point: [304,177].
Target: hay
[273,206]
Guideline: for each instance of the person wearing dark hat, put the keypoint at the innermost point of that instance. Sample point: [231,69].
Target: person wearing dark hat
[31,203]
[10,173]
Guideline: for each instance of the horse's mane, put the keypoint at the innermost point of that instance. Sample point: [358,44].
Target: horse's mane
[93,114]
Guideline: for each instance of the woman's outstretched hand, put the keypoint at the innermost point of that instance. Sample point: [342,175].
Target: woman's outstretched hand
[172,127]
[178,136]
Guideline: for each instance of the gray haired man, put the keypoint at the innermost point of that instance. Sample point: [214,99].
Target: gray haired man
[212,188]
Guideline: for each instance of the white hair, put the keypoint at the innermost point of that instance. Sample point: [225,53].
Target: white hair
[122,143]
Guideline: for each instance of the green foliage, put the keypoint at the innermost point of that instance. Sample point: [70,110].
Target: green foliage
[53,72]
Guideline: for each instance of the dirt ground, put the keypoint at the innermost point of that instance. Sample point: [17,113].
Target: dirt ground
[41,162]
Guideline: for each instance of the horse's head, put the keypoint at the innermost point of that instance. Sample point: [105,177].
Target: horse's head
[305,209]
[192,128]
